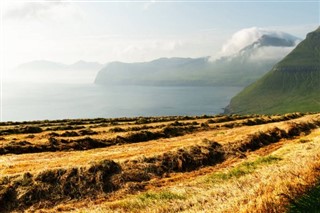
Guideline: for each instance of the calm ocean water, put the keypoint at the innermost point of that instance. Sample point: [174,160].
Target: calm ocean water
[60,101]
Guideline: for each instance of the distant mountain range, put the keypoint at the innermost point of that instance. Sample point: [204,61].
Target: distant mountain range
[47,71]
[159,72]
[238,69]
[292,85]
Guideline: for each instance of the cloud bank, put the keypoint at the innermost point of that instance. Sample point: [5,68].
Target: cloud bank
[248,36]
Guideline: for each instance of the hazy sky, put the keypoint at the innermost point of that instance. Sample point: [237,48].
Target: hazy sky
[103,31]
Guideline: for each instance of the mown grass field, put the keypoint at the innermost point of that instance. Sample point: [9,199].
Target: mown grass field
[249,163]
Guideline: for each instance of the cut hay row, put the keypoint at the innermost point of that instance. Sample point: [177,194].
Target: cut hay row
[256,184]
[107,121]
[8,128]
[55,185]
[134,134]
[261,139]
[21,191]
[56,144]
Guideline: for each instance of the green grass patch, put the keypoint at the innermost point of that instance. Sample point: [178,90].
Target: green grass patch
[146,199]
[242,169]
[158,196]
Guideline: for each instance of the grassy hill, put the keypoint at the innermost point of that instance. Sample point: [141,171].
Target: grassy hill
[292,85]
[159,164]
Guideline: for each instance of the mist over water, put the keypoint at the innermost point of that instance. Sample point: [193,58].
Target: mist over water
[61,101]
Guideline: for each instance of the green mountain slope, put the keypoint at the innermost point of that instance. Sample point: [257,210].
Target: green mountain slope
[292,85]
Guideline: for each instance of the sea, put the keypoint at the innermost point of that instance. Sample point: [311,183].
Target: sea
[36,101]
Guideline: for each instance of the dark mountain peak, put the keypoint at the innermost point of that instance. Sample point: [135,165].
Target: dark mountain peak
[270,40]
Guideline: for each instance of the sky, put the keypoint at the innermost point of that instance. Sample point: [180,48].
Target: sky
[131,31]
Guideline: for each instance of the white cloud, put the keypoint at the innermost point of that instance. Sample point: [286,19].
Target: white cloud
[270,53]
[239,40]
[245,37]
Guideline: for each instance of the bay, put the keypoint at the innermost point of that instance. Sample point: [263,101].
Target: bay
[21,101]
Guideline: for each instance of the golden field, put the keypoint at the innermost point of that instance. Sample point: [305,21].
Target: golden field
[252,163]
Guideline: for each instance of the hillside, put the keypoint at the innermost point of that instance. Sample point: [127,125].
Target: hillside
[159,164]
[239,68]
[292,85]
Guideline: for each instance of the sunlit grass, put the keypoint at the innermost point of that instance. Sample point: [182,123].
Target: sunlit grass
[242,169]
